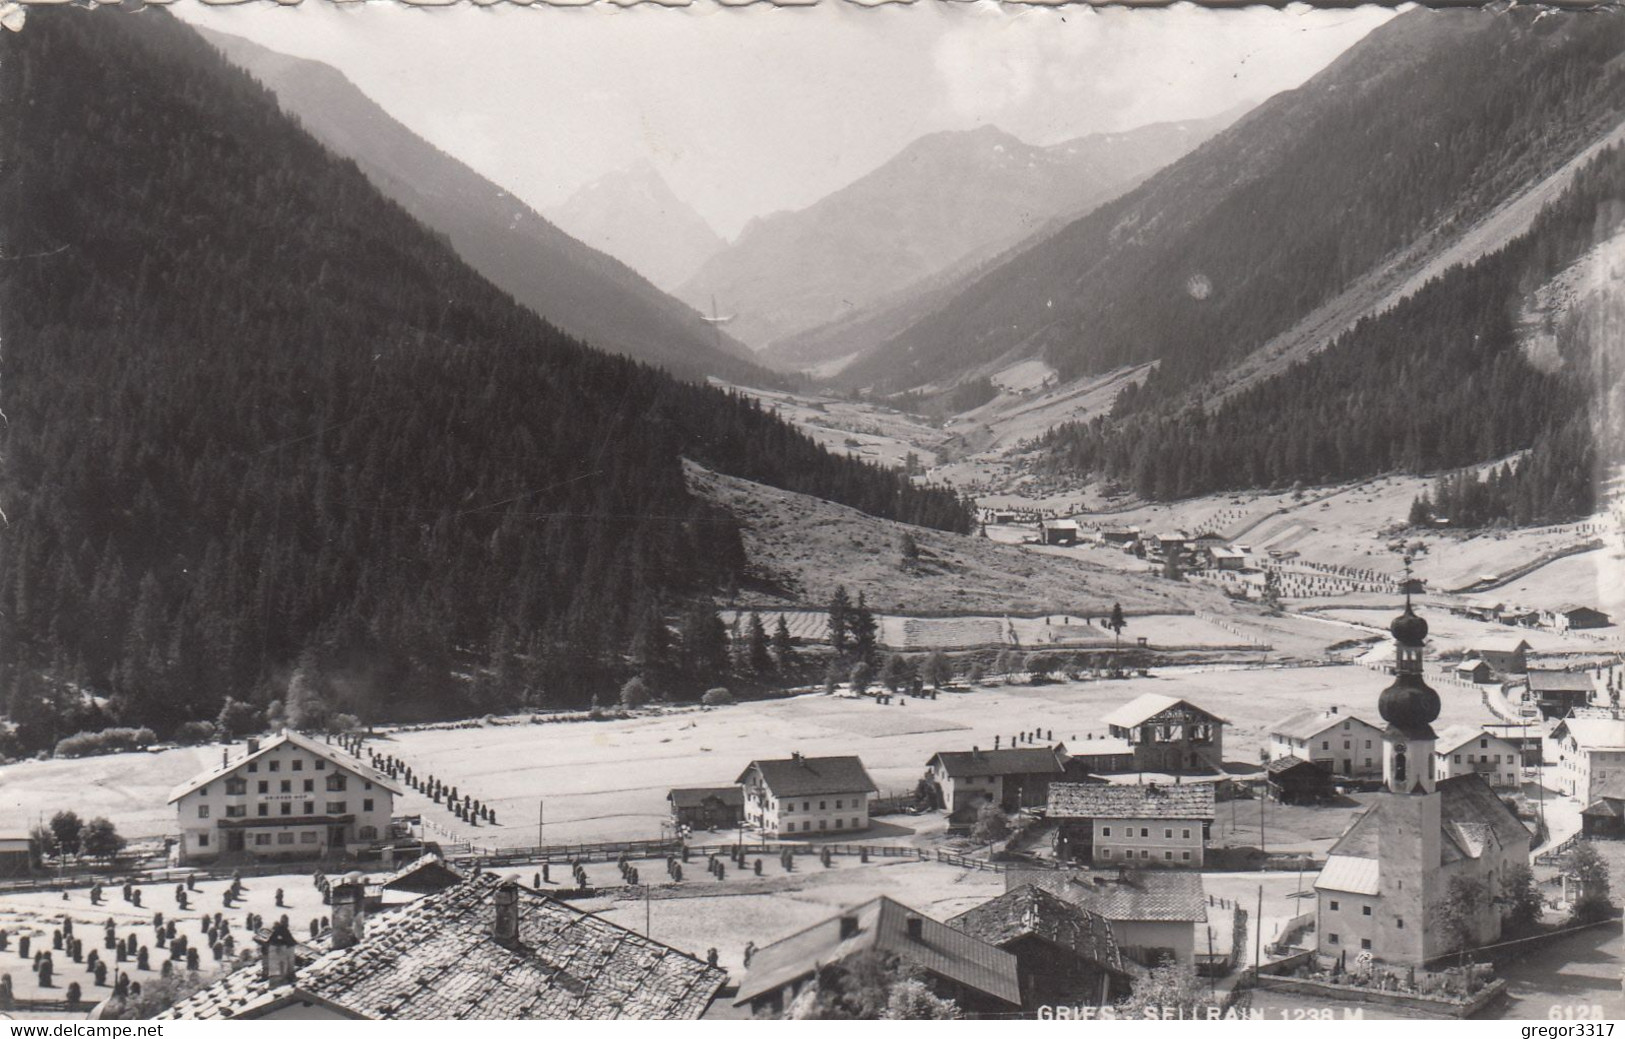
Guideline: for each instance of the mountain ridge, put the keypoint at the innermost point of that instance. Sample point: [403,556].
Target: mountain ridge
[633,215]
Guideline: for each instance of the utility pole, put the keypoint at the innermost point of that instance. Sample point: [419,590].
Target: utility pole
[541,810]
[1258,934]
[1262,849]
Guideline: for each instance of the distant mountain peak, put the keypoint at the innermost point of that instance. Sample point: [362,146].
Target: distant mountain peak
[633,214]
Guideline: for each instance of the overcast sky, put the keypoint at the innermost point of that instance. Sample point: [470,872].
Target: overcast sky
[746,111]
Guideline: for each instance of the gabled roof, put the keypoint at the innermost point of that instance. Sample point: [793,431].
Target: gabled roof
[437,959]
[1145,896]
[426,873]
[882,924]
[1011,761]
[316,747]
[1147,706]
[1031,911]
[804,777]
[1472,817]
[1471,664]
[1357,876]
[1306,725]
[1131,801]
[1292,763]
[1452,738]
[1059,524]
[696,796]
[1560,682]
[1593,733]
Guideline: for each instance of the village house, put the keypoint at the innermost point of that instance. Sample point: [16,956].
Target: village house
[1477,671]
[1590,752]
[1121,537]
[1175,541]
[1394,865]
[1462,749]
[486,949]
[1058,531]
[1012,778]
[1527,738]
[1096,756]
[1153,915]
[1508,655]
[1575,617]
[1065,954]
[1230,557]
[1134,826]
[707,807]
[1604,816]
[1343,744]
[426,875]
[16,857]
[287,797]
[1557,694]
[801,795]
[1169,735]
[981,978]
[1293,780]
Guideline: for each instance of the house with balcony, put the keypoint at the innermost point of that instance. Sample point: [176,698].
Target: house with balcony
[799,796]
[1169,735]
[287,797]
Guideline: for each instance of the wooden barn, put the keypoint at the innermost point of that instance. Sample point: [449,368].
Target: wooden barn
[707,807]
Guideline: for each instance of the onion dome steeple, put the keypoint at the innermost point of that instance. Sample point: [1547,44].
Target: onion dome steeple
[1409,705]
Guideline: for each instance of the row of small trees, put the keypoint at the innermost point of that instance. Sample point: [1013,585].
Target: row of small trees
[68,835]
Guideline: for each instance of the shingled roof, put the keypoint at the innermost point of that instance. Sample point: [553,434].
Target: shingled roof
[882,924]
[1168,896]
[1146,706]
[1012,761]
[1031,911]
[1306,725]
[438,959]
[696,796]
[1560,682]
[804,777]
[1131,801]
[315,747]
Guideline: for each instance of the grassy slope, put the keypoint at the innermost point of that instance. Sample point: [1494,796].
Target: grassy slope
[800,548]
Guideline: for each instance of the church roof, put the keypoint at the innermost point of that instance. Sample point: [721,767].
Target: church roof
[1357,876]
[1472,820]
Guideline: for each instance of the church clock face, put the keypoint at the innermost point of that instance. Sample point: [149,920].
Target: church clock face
[1399,748]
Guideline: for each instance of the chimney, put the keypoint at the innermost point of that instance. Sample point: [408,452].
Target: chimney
[253,744]
[277,964]
[225,757]
[914,925]
[1334,709]
[849,927]
[505,929]
[349,911]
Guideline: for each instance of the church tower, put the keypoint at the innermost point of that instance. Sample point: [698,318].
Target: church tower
[1409,849]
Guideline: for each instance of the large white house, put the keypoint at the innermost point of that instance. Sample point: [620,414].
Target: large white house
[289,796]
[1589,751]
[1342,743]
[1466,748]
[799,795]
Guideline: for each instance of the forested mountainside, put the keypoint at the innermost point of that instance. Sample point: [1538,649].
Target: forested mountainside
[1417,130]
[261,422]
[947,197]
[586,293]
[1443,380]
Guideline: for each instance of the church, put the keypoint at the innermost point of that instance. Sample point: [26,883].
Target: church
[1387,873]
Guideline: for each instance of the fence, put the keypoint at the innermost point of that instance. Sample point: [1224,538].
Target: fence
[1555,853]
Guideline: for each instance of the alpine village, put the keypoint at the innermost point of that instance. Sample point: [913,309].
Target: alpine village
[1198,597]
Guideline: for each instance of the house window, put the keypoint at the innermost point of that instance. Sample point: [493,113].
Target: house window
[310,786]
[284,838]
[236,811]
[1168,834]
[1458,759]
[1365,943]
[822,805]
[1186,856]
[367,833]
[806,806]
[336,807]
[286,786]
[1334,905]
[236,787]
[203,840]
[1168,856]
[287,808]
[276,766]
[839,805]
[1331,939]
[366,805]
[366,785]
[264,809]
[1399,922]
[823,824]
[1368,762]
[202,811]
[1483,744]
[854,822]
[1325,744]
[1367,744]
[1105,831]
[310,807]
[1345,744]
[840,824]
[262,839]
[298,764]
[308,837]
[1105,853]
[1144,832]
[253,766]
[1186,834]
[321,766]
[335,782]
[1145,853]
[1365,910]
